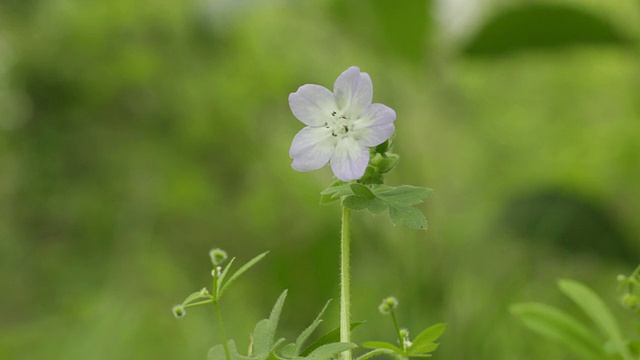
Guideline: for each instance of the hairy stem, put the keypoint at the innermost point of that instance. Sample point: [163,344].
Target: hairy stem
[345,282]
[222,333]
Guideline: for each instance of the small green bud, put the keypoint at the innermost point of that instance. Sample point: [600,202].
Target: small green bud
[387,163]
[388,305]
[631,301]
[218,256]
[179,311]
[216,271]
[204,292]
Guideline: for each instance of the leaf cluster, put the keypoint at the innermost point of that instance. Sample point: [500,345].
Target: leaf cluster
[376,198]
[421,346]
[264,345]
[566,329]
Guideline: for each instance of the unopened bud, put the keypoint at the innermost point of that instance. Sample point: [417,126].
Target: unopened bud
[388,305]
[218,256]
[631,301]
[179,311]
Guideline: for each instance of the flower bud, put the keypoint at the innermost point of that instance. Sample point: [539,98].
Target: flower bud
[631,301]
[388,305]
[404,335]
[218,256]
[179,311]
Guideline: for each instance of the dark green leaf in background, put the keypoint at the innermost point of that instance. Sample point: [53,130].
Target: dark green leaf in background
[541,27]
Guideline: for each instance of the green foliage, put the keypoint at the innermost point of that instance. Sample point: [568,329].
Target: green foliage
[377,198]
[222,287]
[422,346]
[561,327]
[265,347]
[540,26]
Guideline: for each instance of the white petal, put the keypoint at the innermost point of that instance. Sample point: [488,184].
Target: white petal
[312,104]
[312,148]
[350,159]
[353,91]
[376,125]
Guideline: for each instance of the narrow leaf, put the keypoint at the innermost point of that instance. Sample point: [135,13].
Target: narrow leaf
[195,296]
[265,330]
[328,351]
[559,326]
[224,274]
[382,345]
[596,309]
[309,330]
[332,336]
[428,336]
[240,271]
[423,350]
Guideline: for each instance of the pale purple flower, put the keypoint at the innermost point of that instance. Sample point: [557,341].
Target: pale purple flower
[341,126]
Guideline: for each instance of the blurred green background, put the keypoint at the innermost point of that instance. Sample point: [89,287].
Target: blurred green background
[137,135]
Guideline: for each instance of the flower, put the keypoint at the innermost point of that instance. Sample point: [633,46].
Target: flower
[340,125]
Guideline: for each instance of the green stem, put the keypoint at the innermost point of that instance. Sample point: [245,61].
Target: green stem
[223,335]
[395,323]
[345,280]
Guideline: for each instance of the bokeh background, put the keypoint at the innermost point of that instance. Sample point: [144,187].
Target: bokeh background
[137,135]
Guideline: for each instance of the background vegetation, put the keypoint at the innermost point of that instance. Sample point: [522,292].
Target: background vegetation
[137,135]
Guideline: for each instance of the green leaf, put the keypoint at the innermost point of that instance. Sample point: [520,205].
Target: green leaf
[557,325]
[408,216]
[377,207]
[596,309]
[309,330]
[518,29]
[424,341]
[404,195]
[332,336]
[195,296]
[240,271]
[334,192]
[224,274]
[328,351]
[356,202]
[362,191]
[423,350]
[382,345]
[265,330]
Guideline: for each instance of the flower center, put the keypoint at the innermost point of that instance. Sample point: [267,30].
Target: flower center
[340,125]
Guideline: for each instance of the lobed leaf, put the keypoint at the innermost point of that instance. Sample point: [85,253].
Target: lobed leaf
[408,216]
[356,202]
[404,195]
[362,191]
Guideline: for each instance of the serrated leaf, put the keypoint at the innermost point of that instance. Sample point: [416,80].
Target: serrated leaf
[265,330]
[328,351]
[559,326]
[427,337]
[596,309]
[240,271]
[332,336]
[404,195]
[356,202]
[408,216]
[362,191]
[382,345]
[337,191]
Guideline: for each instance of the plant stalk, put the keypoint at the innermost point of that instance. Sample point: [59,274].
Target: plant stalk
[345,282]
[223,335]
